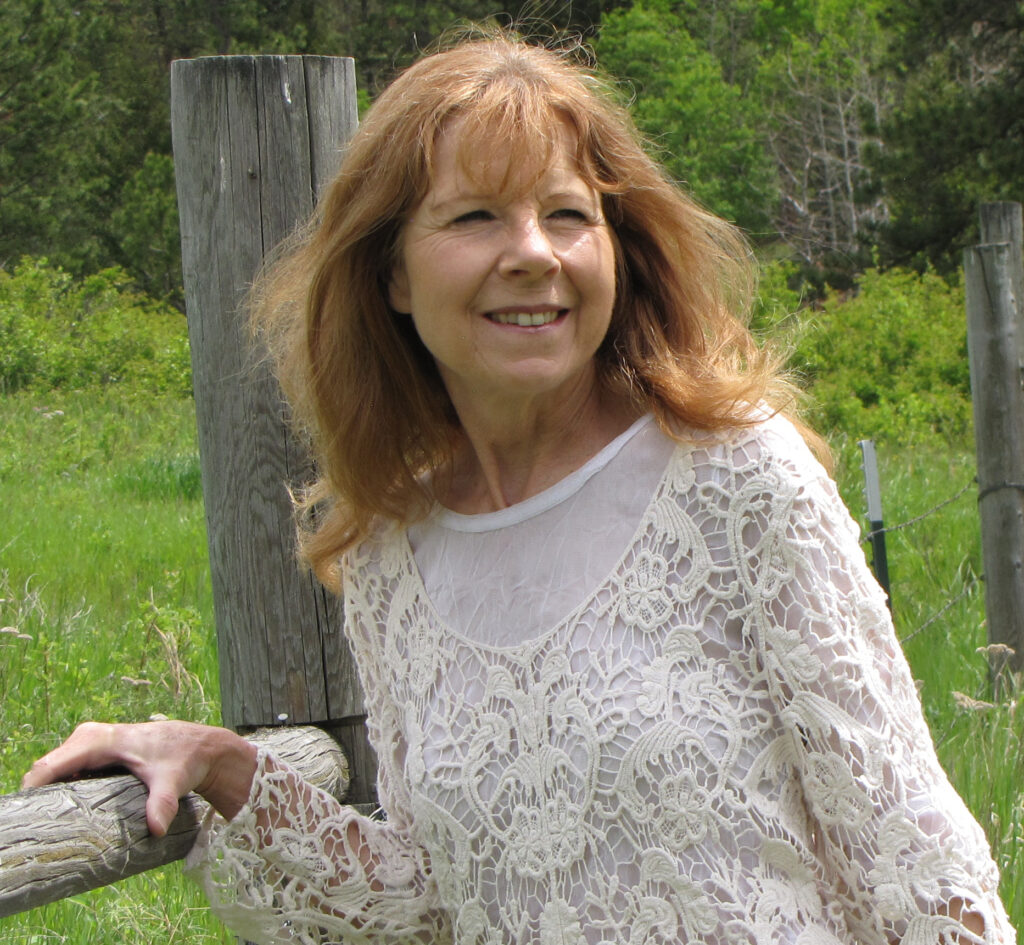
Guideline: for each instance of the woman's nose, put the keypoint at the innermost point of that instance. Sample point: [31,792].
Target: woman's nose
[528,250]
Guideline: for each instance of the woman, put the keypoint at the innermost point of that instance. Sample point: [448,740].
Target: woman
[629,679]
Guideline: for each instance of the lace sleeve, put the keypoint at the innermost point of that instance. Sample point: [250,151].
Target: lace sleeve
[907,855]
[295,865]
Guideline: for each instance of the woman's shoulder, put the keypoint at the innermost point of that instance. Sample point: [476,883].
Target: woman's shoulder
[769,445]
[379,555]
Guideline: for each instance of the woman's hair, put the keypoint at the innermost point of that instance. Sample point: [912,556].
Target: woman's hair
[362,386]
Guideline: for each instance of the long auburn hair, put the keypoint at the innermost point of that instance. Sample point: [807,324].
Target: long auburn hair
[362,387]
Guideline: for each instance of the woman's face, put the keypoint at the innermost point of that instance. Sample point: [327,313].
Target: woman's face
[510,281]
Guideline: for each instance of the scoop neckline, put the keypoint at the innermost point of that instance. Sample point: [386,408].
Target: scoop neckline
[526,650]
[546,499]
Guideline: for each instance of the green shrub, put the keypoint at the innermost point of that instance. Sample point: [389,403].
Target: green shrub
[887,360]
[59,333]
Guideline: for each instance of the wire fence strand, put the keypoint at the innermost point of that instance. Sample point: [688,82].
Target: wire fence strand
[952,602]
[923,515]
[971,582]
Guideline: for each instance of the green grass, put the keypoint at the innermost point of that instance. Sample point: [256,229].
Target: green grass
[104,580]
[933,563]
[106,604]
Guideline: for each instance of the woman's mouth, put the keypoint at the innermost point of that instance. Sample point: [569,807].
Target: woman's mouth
[527,319]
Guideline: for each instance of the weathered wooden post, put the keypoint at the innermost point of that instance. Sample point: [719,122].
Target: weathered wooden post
[255,138]
[995,337]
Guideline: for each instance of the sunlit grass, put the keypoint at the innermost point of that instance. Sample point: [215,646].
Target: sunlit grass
[157,908]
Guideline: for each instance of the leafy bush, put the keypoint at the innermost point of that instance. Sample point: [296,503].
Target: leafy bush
[887,360]
[147,224]
[56,332]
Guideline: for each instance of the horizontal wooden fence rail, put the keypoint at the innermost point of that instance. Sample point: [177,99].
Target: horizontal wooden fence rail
[64,839]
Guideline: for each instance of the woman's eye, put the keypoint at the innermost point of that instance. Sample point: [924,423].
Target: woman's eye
[569,213]
[473,216]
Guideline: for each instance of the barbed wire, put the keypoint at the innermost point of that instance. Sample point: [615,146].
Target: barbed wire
[923,515]
[952,602]
[971,582]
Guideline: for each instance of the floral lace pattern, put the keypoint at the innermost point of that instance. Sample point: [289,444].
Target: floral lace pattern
[722,743]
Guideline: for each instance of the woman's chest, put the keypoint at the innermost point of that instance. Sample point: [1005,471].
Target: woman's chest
[620,715]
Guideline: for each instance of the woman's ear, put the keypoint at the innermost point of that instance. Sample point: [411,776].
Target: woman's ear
[398,290]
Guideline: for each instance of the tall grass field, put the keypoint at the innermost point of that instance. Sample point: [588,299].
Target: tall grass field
[105,602]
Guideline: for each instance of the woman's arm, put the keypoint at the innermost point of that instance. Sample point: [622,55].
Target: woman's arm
[910,860]
[280,860]
[295,865]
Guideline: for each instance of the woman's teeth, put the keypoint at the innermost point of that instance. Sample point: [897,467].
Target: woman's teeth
[525,319]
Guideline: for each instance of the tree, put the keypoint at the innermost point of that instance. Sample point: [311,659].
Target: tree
[705,128]
[825,97]
[767,108]
[44,99]
[82,101]
[956,136]
[84,106]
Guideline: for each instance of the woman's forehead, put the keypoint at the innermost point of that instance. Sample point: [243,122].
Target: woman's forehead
[468,156]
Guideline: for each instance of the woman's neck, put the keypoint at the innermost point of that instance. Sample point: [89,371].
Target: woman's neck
[504,457]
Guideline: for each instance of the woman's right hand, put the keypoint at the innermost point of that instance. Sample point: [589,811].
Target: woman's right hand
[170,758]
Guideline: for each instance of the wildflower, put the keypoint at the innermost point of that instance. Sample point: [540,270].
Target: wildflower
[971,704]
[997,649]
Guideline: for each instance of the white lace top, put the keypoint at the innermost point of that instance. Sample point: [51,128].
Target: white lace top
[688,721]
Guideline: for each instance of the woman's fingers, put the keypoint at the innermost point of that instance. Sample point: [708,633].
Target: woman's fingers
[159,754]
[90,747]
[161,807]
[170,758]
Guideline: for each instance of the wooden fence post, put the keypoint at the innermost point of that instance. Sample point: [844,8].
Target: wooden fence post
[994,274]
[255,138]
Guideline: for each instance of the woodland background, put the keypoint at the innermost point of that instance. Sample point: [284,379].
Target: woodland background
[841,134]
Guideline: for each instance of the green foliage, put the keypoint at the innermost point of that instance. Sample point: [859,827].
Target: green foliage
[703,127]
[43,94]
[847,129]
[888,360]
[147,222]
[823,92]
[780,297]
[56,332]
[83,102]
[85,113]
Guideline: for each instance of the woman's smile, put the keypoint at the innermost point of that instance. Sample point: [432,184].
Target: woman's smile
[524,318]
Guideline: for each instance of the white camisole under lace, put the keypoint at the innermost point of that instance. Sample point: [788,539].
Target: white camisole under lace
[659,703]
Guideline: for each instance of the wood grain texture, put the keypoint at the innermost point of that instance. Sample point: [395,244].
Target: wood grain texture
[994,277]
[255,139]
[64,839]
[1001,222]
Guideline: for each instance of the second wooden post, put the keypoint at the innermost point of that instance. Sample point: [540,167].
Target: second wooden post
[994,274]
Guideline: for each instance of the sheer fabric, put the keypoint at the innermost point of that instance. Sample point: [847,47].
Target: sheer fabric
[717,740]
[503,577]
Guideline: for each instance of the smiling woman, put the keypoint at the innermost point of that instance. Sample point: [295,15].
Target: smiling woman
[628,676]
[509,276]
